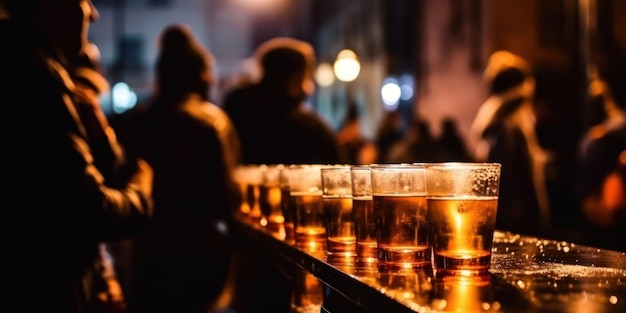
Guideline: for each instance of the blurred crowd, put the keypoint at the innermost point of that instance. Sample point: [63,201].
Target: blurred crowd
[134,214]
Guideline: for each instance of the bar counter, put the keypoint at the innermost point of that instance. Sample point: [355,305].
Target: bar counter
[527,275]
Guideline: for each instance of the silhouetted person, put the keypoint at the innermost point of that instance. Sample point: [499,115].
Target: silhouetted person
[183,260]
[276,127]
[271,117]
[389,132]
[503,131]
[58,206]
[451,144]
[359,149]
[418,145]
[601,183]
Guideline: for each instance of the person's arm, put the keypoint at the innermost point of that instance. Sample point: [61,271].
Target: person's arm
[107,152]
[56,180]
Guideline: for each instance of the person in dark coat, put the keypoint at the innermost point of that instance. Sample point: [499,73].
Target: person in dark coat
[58,206]
[184,260]
[504,132]
[601,168]
[273,122]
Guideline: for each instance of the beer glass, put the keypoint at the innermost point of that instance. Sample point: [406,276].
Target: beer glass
[305,196]
[338,216]
[270,201]
[364,219]
[248,177]
[285,206]
[240,180]
[399,199]
[253,178]
[462,202]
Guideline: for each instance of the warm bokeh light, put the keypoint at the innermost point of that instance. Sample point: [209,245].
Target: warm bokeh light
[261,6]
[324,75]
[347,66]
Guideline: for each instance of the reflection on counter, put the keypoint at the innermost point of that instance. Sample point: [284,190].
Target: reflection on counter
[464,294]
[308,293]
[554,274]
[527,275]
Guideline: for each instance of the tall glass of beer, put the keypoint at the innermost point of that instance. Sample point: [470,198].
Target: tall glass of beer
[270,201]
[305,196]
[365,221]
[285,204]
[338,215]
[462,202]
[399,200]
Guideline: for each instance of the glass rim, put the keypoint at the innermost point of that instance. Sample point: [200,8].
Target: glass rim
[397,166]
[360,167]
[336,168]
[462,165]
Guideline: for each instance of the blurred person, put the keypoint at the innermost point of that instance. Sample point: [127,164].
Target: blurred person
[600,179]
[450,142]
[359,149]
[59,205]
[276,126]
[503,131]
[271,117]
[184,260]
[389,132]
[419,145]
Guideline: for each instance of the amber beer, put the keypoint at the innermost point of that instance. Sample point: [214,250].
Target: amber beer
[338,216]
[402,231]
[462,232]
[285,207]
[462,207]
[365,229]
[308,209]
[339,225]
[269,203]
[285,204]
[270,198]
[364,218]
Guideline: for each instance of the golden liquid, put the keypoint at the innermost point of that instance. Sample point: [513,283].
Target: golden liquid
[403,232]
[311,239]
[339,225]
[308,216]
[462,232]
[269,199]
[269,203]
[285,208]
[252,198]
[244,207]
[310,232]
[365,228]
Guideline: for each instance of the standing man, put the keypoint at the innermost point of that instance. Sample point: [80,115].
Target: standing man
[58,206]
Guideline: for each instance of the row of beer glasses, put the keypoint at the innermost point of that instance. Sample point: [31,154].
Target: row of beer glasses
[396,217]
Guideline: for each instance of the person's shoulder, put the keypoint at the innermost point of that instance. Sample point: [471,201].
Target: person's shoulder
[208,114]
